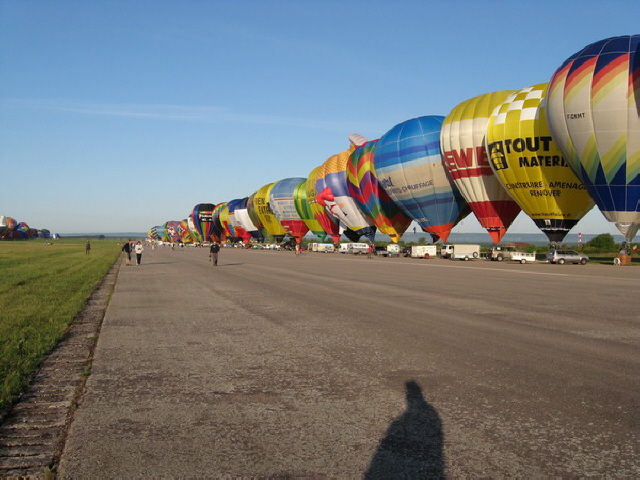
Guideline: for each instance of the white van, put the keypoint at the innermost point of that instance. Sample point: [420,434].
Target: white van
[358,248]
[344,247]
[325,247]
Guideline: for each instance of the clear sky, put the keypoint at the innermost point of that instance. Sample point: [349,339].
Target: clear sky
[116,116]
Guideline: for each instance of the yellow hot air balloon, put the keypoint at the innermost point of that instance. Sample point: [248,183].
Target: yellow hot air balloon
[530,165]
[462,141]
[268,219]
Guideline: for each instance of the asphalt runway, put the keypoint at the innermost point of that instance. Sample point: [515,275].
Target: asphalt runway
[331,365]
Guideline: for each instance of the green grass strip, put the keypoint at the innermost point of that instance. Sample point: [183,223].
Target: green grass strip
[43,286]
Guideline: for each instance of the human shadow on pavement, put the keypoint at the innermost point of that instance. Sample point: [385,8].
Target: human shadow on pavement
[413,444]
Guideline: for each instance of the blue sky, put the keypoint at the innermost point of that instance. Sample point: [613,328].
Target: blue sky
[116,116]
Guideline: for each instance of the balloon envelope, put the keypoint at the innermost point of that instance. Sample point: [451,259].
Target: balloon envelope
[283,206]
[330,224]
[266,216]
[410,168]
[530,166]
[371,198]
[465,158]
[202,216]
[218,234]
[242,218]
[594,115]
[303,208]
[332,192]
[239,231]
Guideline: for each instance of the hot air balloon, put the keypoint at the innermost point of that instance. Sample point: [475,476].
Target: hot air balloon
[225,221]
[332,193]
[465,158]
[243,220]
[371,198]
[304,210]
[173,231]
[185,232]
[238,229]
[263,211]
[530,165]
[193,231]
[218,233]
[21,230]
[410,169]
[329,223]
[283,207]
[594,115]
[202,215]
[7,224]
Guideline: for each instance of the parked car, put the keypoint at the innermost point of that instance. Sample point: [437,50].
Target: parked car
[566,256]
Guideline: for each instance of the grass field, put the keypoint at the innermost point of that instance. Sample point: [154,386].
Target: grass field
[43,285]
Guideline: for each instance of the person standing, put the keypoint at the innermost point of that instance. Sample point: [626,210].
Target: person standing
[138,249]
[126,248]
[213,253]
[87,247]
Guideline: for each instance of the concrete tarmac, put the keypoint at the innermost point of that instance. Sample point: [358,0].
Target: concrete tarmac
[331,365]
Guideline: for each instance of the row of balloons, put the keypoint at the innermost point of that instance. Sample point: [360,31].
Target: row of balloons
[11,229]
[552,150]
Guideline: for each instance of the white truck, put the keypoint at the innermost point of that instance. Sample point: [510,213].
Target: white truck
[465,252]
[393,250]
[446,250]
[344,247]
[424,251]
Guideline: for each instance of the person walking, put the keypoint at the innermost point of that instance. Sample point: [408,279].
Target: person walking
[126,248]
[138,249]
[213,253]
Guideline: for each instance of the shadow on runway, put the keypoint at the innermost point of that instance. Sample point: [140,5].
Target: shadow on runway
[413,444]
[228,264]
[156,263]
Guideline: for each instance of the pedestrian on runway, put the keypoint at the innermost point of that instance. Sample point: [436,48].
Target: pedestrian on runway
[138,248]
[213,253]
[126,248]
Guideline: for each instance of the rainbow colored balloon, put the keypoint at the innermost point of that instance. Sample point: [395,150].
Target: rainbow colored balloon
[328,222]
[202,216]
[369,195]
[218,233]
[304,210]
[594,115]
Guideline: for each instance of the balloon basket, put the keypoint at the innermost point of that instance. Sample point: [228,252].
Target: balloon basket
[622,259]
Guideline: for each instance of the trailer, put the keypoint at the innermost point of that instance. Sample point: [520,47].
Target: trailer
[424,251]
[465,252]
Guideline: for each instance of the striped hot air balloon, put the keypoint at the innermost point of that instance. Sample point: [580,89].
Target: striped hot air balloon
[410,168]
[464,153]
[594,115]
[369,195]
